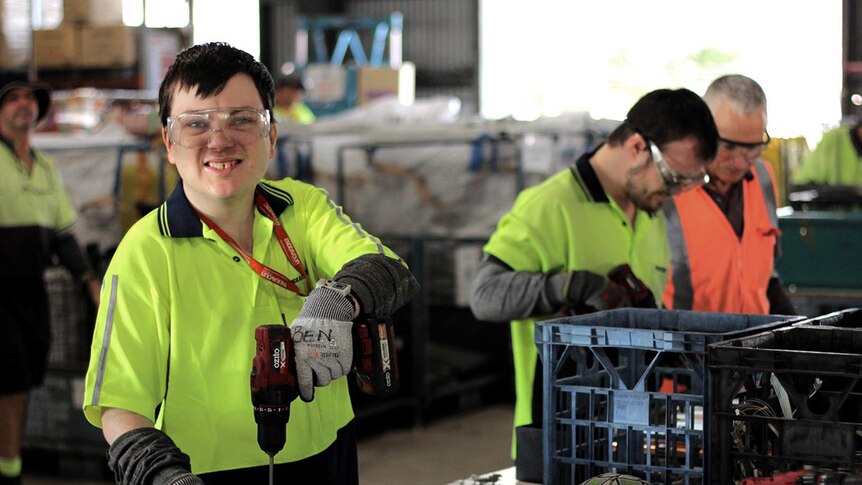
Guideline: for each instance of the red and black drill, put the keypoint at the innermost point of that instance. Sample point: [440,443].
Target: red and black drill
[273,375]
[273,387]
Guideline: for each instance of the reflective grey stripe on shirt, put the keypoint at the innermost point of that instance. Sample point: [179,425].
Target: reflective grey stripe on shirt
[339,212]
[769,197]
[106,339]
[683,296]
[768,191]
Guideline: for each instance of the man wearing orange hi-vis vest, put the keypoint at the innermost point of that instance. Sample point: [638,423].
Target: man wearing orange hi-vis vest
[724,235]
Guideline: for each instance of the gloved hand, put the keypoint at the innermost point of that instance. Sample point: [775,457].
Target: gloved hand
[147,456]
[322,340]
[639,293]
[589,291]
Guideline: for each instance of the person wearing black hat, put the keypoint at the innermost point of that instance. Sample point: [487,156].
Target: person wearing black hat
[36,215]
[289,107]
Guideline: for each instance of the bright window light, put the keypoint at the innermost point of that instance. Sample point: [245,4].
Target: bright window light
[236,22]
[600,57]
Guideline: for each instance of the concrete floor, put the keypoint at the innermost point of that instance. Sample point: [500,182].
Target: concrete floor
[447,450]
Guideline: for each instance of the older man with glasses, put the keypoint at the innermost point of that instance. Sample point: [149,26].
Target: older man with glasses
[554,251]
[724,235]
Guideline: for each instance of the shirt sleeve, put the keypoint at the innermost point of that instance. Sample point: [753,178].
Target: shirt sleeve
[333,238]
[129,352]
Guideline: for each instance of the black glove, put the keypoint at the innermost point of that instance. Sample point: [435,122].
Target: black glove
[589,292]
[146,456]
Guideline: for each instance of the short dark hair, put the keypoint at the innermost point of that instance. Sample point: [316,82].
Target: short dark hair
[293,81]
[208,67]
[665,115]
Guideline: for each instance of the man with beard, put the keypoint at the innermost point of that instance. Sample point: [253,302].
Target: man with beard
[36,216]
[724,236]
[551,253]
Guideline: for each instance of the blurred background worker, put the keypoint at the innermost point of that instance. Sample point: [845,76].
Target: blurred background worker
[551,253]
[36,216]
[724,235]
[289,105]
[837,159]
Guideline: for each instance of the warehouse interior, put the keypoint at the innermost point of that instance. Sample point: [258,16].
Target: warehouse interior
[430,117]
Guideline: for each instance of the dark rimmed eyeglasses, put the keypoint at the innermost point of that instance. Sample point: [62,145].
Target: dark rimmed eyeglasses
[749,150]
[674,181]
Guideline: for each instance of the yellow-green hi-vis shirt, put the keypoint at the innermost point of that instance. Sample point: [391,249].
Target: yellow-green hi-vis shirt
[175,330]
[568,223]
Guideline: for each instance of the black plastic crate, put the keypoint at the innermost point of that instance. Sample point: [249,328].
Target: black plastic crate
[848,318]
[625,391]
[70,335]
[784,399]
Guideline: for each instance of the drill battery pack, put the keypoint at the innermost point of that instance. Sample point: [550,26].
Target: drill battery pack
[375,361]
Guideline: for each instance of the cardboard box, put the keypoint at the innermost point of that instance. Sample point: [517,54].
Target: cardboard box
[379,82]
[56,48]
[92,12]
[329,88]
[108,46]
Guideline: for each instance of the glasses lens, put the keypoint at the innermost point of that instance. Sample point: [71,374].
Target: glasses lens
[750,151]
[196,129]
[673,181]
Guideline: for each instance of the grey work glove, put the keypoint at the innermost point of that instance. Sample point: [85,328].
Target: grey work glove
[322,342]
[589,292]
[147,456]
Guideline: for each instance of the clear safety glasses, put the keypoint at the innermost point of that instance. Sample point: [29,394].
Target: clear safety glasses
[196,129]
[674,181]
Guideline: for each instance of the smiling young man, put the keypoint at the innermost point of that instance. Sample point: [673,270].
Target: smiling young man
[168,380]
[724,236]
[551,253]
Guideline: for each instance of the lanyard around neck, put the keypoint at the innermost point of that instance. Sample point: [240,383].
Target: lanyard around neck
[287,247]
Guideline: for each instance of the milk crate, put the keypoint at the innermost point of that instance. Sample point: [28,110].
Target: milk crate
[848,318]
[70,337]
[785,399]
[624,391]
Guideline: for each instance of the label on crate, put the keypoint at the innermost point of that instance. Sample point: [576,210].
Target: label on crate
[630,407]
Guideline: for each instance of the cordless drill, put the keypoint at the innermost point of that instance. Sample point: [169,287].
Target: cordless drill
[273,387]
[638,292]
[273,374]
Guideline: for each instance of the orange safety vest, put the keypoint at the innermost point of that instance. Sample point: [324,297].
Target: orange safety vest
[712,269]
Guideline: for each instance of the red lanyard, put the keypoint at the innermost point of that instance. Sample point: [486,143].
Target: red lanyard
[261,269]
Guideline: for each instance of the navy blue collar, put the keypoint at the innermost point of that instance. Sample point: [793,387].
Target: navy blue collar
[177,217]
[585,176]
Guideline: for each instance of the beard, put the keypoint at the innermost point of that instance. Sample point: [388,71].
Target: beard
[641,197]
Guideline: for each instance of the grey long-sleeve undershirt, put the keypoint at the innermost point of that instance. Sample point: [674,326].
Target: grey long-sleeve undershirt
[382,284]
[500,294]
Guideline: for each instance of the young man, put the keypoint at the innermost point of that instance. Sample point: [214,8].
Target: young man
[172,351]
[724,236]
[36,216]
[551,253]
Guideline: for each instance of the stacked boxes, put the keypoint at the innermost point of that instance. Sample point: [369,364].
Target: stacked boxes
[91,36]
[624,391]
[786,399]
[56,48]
